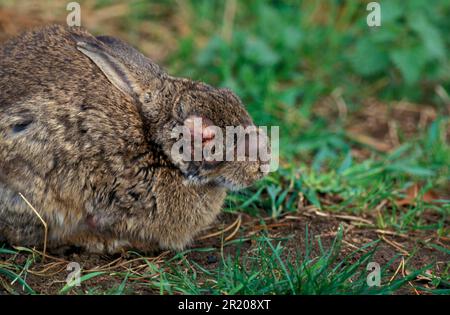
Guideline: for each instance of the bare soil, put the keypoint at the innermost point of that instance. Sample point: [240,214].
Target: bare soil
[49,277]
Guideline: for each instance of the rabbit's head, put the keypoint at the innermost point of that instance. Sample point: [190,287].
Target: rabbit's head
[205,131]
[219,135]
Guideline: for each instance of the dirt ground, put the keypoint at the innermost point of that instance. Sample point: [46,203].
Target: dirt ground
[48,277]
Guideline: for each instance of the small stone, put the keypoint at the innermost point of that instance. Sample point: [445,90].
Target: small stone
[211,259]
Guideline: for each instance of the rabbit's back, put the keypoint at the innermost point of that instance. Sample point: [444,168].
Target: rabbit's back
[54,98]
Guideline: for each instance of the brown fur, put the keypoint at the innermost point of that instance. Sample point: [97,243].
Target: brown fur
[95,161]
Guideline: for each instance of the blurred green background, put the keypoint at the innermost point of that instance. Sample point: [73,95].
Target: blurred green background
[281,57]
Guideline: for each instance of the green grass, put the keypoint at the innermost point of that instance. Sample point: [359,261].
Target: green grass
[361,185]
[266,270]
[282,58]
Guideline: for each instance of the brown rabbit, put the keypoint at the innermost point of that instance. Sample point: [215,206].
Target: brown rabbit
[85,136]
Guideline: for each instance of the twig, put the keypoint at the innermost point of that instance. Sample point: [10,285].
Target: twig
[352,218]
[404,275]
[395,245]
[339,216]
[350,244]
[43,222]
[238,225]
[221,231]
[392,233]
[43,254]
[397,270]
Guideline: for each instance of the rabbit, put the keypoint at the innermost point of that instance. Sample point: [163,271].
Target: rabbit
[86,137]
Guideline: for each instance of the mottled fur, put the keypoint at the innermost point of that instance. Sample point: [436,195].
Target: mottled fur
[95,160]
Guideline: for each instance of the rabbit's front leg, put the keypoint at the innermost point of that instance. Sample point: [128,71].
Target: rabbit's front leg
[163,209]
[183,209]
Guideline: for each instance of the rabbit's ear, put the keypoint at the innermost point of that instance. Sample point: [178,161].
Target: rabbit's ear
[116,72]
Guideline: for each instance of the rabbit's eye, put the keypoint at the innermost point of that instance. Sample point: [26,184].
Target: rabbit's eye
[21,126]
